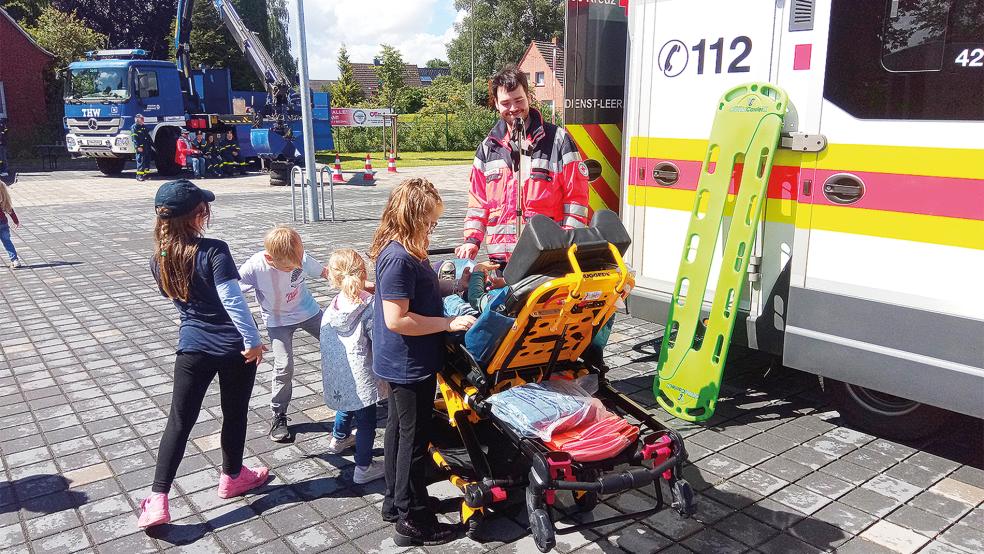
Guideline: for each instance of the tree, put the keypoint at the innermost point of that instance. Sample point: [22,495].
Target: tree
[65,36]
[502,29]
[279,41]
[409,100]
[346,91]
[24,12]
[390,72]
[437,63]
[446,95]
[127,24]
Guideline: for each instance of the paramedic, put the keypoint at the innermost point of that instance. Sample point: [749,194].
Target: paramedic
[557,186]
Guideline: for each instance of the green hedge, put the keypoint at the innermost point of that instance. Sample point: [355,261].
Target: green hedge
[463,130]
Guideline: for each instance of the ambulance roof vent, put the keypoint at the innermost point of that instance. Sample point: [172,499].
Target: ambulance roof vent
[801,15]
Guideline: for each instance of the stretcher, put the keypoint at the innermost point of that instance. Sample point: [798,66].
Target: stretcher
[563,288]
[745,134]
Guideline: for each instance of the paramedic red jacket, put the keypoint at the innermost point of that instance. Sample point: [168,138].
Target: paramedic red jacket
[557,188]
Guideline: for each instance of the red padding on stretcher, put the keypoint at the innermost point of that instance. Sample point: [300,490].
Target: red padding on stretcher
[598,441]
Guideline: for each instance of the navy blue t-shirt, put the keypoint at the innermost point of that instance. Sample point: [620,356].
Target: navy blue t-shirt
[205,325]
[399,358]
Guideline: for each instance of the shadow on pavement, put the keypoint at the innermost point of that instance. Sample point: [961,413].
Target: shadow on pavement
[40,494]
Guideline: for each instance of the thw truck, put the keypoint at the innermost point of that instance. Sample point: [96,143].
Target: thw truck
[868,267]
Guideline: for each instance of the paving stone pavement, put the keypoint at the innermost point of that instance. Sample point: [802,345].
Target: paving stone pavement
[86,354]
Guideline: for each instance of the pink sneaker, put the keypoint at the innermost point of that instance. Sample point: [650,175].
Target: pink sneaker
[248,479]
[154,510]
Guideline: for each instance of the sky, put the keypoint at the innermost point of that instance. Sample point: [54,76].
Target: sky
[419,29]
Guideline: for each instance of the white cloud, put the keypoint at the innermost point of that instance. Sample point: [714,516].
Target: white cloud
[414,27]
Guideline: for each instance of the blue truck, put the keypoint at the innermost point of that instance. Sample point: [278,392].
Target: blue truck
[104,92]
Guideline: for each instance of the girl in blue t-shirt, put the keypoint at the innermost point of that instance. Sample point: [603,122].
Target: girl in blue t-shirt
[408,350]
[216,336]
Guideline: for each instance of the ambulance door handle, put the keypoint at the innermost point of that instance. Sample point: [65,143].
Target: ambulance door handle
[843,188]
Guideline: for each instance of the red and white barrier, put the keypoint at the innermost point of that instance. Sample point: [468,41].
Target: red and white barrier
[336,172]
[369,174]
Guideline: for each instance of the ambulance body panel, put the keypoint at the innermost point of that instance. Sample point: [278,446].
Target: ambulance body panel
[870,255]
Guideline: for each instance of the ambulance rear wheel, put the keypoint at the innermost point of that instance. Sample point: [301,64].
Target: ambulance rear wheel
[543,530]
[883,414]
[110,166]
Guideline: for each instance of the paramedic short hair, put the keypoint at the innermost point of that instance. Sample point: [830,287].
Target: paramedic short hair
[509,77]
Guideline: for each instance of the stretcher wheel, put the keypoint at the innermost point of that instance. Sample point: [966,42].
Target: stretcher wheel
[589,499]
[543,530]
[683,498]
[473,528]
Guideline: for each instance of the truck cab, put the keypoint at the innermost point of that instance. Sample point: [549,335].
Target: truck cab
[103,94]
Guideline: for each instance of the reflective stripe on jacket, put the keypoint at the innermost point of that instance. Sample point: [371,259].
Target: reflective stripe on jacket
[141,136]
[557,187]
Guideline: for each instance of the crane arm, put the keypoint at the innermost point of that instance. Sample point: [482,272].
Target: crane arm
[256,54]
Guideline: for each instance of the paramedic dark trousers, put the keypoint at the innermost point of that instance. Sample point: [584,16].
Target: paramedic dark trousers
[408,426]
[193,372]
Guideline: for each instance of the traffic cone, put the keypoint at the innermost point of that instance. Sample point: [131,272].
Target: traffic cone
[336,172]
[369,175]
[391,164]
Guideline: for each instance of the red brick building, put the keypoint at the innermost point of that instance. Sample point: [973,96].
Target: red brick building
[22,88]
[543,63]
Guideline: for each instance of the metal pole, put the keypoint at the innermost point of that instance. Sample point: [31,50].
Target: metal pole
[307,126]
[331,192]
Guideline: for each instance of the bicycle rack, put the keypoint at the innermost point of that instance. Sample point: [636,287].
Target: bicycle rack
[298,171]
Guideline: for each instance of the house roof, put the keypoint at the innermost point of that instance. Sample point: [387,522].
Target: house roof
[365,75]
[546,50]
[428,74]
[23,32]
[316,84]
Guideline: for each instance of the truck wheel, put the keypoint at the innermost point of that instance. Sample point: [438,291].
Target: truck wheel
[111,166]
[164,146]
[280,173]
[883,414]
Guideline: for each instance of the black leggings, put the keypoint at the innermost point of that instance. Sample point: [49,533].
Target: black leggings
[193,372]
[408,430]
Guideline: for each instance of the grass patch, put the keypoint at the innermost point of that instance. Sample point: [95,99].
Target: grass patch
[351,161]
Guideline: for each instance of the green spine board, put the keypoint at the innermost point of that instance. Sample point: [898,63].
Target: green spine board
[746,128]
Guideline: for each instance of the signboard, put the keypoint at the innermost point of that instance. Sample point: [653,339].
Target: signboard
[594,92]
[358,117]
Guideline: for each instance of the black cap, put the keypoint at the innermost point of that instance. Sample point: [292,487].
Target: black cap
[180,197]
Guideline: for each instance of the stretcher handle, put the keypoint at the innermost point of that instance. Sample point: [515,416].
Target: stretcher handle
[439,251]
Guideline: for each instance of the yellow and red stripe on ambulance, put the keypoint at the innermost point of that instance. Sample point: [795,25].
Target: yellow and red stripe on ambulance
[931,195]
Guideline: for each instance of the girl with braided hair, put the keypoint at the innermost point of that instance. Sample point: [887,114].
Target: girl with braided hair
[216,336]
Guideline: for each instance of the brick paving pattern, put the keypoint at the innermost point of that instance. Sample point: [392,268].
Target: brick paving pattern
[86,353]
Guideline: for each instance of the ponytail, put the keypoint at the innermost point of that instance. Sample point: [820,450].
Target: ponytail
[347,272]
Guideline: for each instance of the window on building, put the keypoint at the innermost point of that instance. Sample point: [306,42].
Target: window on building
[907,59]
[3,102]
[539,79]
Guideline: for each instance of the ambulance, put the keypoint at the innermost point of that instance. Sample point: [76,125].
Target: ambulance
[868,267]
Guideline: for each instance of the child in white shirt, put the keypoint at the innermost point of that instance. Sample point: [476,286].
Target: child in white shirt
[277,275]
